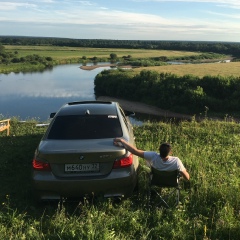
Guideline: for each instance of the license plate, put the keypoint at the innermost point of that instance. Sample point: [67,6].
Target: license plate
[88,167]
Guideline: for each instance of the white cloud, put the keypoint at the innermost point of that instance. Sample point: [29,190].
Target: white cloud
[8,6]
[233,2]
[86,3]
[221,3]
[97,21]
[235,16]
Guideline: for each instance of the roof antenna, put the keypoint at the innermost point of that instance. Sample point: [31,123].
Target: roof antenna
[87,112]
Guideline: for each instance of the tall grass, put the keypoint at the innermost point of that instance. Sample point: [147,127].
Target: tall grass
[21,67]
[200,70]
[210,209]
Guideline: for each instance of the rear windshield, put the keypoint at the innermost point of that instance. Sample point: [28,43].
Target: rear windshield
[85,127]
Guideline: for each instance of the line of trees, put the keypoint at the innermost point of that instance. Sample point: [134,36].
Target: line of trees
[186,94]
[162,60]
[13,57]
[232,48]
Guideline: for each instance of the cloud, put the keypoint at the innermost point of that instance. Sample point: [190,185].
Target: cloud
[233,2]
[234,16]
[81,16]
[8,6]
[122,19]
[86,3]
[93,20]
[221,3]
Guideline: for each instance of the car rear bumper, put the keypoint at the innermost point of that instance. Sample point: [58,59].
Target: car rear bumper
[117,184]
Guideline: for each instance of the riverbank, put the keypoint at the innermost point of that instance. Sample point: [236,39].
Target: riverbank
[139,107]
[103,65]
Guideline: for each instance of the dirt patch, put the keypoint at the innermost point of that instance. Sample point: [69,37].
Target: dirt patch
[139,107]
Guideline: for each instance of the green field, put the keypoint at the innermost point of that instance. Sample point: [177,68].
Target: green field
[61,53]
[209,209]
[203,69]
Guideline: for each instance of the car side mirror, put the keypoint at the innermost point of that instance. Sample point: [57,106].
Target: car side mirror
[52,115]
[129,113]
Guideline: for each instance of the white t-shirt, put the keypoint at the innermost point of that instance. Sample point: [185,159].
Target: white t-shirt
[154,159]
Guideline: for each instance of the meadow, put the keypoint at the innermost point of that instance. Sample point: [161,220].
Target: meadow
[200,70]
[209,209]
[66,55]
[63,53]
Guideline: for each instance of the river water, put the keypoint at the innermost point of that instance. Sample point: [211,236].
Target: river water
[37,94]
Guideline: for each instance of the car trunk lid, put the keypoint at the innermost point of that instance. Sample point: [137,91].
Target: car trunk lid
[80,158]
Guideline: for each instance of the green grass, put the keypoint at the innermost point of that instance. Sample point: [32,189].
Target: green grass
[209,210]
[62,53]
[200,70]
[21,67]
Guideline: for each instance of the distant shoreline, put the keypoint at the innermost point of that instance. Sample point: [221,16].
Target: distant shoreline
[103,65]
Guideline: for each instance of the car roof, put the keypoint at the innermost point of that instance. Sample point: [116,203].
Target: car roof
[88,108]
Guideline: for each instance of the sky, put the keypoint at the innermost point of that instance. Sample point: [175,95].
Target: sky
[184,20]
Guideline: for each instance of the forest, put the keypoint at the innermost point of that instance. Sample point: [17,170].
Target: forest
[231,48]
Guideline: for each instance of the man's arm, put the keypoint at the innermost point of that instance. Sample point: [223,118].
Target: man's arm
[185,174]
[129,147]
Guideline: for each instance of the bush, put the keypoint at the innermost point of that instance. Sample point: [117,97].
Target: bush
[169,91]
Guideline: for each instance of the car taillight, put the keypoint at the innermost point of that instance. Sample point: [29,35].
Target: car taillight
[124,162]
[40,166]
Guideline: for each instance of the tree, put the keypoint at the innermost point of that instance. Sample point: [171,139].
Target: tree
[113,56]
[2,48]
[49,59]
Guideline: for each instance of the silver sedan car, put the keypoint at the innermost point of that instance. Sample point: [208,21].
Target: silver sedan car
[76,156]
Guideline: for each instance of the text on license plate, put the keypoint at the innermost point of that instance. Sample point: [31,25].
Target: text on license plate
[88,167]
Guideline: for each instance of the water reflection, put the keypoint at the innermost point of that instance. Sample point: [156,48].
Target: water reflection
[36,94]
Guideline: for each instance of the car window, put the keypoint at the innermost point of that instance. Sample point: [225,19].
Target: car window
[85,127]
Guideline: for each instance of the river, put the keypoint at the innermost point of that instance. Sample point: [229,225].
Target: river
[37,94]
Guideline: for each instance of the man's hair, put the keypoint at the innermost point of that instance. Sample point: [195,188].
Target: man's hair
[165,149]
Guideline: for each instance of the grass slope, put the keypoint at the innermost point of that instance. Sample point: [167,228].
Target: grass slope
[209,209]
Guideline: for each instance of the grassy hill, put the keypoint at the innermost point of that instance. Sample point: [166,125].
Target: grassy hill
[209,209]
